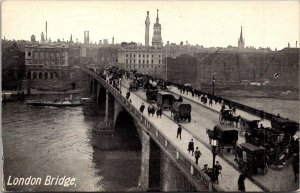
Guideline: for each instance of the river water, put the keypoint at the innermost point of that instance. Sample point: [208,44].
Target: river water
[41,141]
[286,108]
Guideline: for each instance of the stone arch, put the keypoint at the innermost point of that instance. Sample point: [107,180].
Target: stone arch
[125,126]
[51,75]
[101,99]
[28,75]
[40,75]
[34,76]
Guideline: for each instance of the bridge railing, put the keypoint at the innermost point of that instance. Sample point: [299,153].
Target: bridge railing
[191,170]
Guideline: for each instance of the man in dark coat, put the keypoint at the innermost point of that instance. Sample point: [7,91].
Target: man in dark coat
[197,155]
[191,147]
[218,169]
[142,108]
[241,183]
[179,130]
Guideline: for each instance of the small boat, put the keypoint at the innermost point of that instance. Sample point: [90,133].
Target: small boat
[54,103]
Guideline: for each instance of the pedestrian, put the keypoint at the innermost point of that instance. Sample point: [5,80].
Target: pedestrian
[152,111]
[179,130]
[191,147]
[149,110]
[210,102]
[218,169]
[241,183]
[197,155]
[296,165]
[205,168]
[160,112]
[142,108]
[127,95]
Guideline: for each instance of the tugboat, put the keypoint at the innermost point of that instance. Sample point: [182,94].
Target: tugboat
[55,103]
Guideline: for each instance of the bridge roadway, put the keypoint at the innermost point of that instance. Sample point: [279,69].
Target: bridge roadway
[228,179]
[203,116]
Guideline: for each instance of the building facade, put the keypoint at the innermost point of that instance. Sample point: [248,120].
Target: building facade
[143,59]
[46,61]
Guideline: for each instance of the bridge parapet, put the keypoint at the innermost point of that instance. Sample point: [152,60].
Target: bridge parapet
[200,180]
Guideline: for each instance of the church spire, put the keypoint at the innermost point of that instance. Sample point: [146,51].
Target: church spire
[241,35]
[157,19]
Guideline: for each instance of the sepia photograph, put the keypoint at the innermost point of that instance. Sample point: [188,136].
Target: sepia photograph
[150,96]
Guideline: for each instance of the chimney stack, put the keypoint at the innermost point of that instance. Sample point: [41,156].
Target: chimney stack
[296,43]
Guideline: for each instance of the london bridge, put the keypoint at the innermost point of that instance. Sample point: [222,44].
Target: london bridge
[207,101]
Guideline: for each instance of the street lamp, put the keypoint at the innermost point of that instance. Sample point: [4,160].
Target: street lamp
[213,85]
[214,144]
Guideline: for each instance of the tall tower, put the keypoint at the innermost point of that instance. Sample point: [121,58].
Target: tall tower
[241,42]
[42,38]
[46,31]
[147,24]
[156,39]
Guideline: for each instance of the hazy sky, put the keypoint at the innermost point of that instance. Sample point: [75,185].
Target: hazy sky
[208,23]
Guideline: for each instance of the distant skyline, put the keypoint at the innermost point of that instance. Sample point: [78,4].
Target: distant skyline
[209,23]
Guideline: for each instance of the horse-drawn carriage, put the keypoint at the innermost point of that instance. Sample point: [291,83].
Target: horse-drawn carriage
[227,117]
[165,100]
[227,136]
[181,111]
[151,94]
[251,159]
[133,86]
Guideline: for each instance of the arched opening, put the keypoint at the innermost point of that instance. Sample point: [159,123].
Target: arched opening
[101,100]
[126,132]
[51,75]
[28,75]
[40,75]
[46,75]
[34,75]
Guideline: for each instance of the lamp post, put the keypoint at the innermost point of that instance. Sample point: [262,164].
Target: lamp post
[214,144]
[213,86]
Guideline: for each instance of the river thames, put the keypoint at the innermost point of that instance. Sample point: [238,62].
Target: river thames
[41,141]
[58,142]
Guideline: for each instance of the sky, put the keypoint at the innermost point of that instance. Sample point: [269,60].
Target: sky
[209,23]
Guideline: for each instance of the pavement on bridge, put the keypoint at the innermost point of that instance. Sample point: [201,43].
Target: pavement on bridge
[228,179]
[206,117]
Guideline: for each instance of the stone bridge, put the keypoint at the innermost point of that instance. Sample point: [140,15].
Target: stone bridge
[164,165]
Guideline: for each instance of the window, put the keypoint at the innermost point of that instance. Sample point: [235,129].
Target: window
[126,61]
[139,66]
[130,66]
[151,66]
[139,55]
[159,61]
[143,61]
[130,61]
[158,66]
[147,66]
[152,56]
[130,55]
[147,62]
[126,55]
[143,55]
[134,55]
[147,56]
[139,61]
[159,56]
[134,61]
[152,61]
